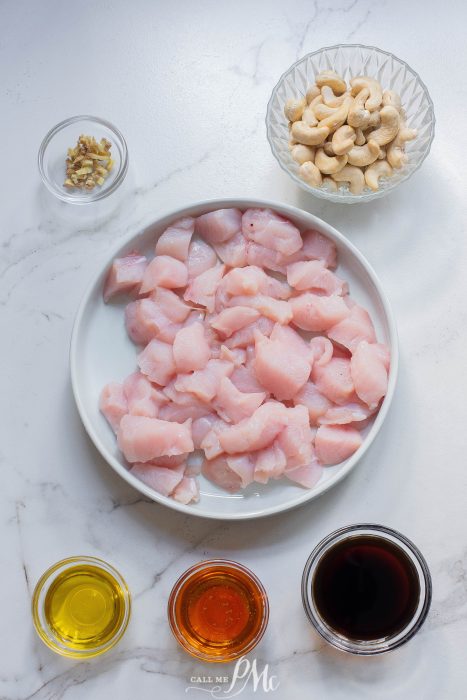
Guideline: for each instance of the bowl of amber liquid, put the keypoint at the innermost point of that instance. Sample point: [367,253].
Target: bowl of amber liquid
[218,610]
[81,607]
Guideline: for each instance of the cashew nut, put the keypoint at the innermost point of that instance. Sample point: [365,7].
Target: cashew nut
[302,154]
[353,175]
[312,92]
[329,77]
[375,119]
[329,164]
[309,116]
[360,137]
[364,155]
[389,126]
[382,153]
[376,93]
[379,169]
[293,108]
[335,120]
[343,140]
[358,115]
[329,184]
[395,151]
[328,148]
[309,135]
[310,173]
[322,111]
[392,99]
[329,98]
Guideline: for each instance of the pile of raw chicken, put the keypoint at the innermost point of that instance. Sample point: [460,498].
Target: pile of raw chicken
[255,363]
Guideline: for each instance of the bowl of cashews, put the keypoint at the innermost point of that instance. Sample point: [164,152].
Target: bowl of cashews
[350,123]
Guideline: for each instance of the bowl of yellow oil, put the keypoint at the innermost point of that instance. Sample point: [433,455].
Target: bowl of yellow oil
[81,607]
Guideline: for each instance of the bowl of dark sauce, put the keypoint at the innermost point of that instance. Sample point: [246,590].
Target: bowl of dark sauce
[366,589]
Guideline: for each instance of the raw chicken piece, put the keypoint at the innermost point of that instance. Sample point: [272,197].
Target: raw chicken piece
[187,491]
[125,275]
[357,326]
[314,276]
[316,404]
[157,362]
[265,227]
[270,463]
[164,271]
[230,320]
[245,280]
[144,320]
[335,443]
[210,443]
[237,356]
[307,475]
[219,226]
[233,252]
[369,368]
[246,336]
[218,471]
[191,350]
[322,349]
[334,380]
[233,405]
[160,479]
[113,404]
[202,289]
[181,398]
[317,313]
[170,462]
[348,413]
[204,383]
[244,466]
[201,257]
[255,432]
[142,439]
[180,413]
[245,380]
[259,255]
[296,438]
[293,340]
[142,396]
[194,463]
[280,368]
[170,304]
[316,246]
[175,240]
[201,427]
[275,309]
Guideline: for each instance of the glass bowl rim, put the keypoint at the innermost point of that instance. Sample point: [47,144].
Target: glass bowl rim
[102,193]
[369,648]
[347,197]
[172,618]
[46,635]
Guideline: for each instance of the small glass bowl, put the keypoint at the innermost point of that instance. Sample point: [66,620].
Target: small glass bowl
[376,646]
[178,605]
[44,630]
[53,153]
[350,60]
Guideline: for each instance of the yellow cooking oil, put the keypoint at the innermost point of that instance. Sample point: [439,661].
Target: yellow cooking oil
[85,606]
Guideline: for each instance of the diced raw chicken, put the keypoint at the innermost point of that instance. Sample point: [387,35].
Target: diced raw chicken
[316,404]
[201,257]
[170,304]
[142,439]
[211,443]
[348,413]
[170,462]
[307,475]
[113,404]
[187,491]
[204,383]
[233,405]
[316,246]
[194,463]
[175,240]
[219,226]
[181,398]
[334,380]
[230,320]
[144,320]
[335,443]
[314,276]
[245,380]
[255,432]
[160,479]
[191,350]
[202,289]
[244,466]
[357,326]
[246,336]
[296,438]
[142,397]
[289,337]
[275,309]
[270,463]
[201,427]
[157,362]
[237,356]
[369,368]
[164,271]
[233,252]
[218,471]
[317,313]
[125,275]
[280,368]
[261,256]
[265,227]
[181,413]
[322,349]
[245,280]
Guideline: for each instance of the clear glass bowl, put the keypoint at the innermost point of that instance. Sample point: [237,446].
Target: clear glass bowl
[53,153]
[350,60]
[374,646]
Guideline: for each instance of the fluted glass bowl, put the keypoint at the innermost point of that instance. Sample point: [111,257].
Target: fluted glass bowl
[351,60]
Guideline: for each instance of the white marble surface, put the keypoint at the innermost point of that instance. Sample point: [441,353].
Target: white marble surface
[187,83]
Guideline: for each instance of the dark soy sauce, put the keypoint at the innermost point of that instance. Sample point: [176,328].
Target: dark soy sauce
[366,588]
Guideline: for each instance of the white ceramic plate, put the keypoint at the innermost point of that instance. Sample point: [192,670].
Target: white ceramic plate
[101,352]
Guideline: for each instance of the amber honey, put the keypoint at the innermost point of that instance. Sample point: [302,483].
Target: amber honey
[218,610]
